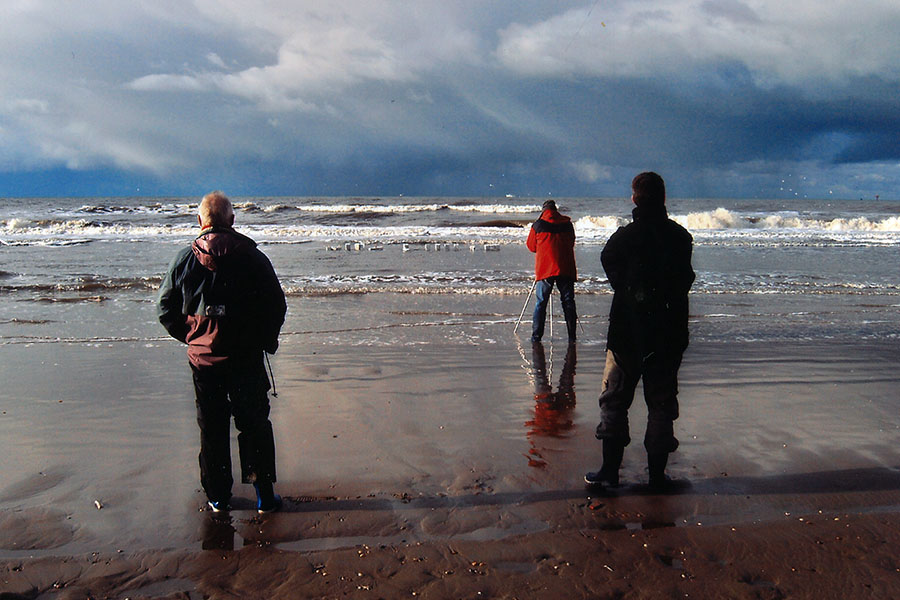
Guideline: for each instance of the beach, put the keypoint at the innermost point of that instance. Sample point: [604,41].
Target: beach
[353,214]
[427,466]
[423,448]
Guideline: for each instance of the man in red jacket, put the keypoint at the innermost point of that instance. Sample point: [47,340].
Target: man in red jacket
[552,239]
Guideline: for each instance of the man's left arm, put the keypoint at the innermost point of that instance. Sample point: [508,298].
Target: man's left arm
[274,305]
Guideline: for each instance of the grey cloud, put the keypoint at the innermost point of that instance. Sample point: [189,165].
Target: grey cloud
[733,10]
[167,83]
[361,97]
[800,43]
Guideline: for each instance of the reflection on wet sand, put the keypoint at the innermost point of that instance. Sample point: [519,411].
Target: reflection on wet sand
[552,410]
[217,532]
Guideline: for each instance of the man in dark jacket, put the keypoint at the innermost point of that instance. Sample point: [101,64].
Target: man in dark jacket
[222,298]
[552,239]
[648,264]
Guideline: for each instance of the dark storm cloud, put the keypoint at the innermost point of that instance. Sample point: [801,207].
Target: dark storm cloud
[450,98]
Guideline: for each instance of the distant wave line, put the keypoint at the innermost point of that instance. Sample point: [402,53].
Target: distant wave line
[449,284]
[337,208]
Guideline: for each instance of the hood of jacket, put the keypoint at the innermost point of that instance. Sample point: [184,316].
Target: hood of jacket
[214,244]
[554,216]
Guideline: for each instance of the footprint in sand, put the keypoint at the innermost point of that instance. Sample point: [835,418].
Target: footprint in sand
[34,529]
[34,485]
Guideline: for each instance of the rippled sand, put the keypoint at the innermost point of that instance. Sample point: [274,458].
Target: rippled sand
[438,455]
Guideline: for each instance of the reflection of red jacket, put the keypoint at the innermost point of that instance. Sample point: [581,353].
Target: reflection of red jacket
[552,239]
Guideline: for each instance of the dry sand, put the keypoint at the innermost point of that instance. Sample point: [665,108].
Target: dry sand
[445,468]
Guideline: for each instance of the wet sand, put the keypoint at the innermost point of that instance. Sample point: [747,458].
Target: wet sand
[439,457]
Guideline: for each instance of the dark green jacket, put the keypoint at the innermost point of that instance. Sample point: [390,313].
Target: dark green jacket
[222,298]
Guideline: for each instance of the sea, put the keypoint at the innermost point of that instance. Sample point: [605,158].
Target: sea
[766,269]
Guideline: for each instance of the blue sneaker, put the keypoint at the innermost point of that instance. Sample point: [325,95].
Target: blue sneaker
[267,501]
[273,505]
[218,506]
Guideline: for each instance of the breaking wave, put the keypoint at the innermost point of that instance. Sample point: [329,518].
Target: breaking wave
[87,285]
[722,218]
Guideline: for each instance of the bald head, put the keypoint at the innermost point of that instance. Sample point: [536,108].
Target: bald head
[215,211]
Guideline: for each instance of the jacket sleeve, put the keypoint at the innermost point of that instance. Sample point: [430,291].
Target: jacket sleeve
[613,258]
[570,235]
[274,305]
[686,276]
[531,242]
[170,302]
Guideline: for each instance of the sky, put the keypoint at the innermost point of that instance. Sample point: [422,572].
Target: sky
[532,98]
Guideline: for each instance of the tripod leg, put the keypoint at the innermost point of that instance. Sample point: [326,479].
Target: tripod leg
[524,306]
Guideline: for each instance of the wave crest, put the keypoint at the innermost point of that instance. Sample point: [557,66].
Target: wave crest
[718,219]
[587,224]
[722,218]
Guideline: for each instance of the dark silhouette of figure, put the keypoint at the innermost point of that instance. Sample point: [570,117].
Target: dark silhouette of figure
[648,264]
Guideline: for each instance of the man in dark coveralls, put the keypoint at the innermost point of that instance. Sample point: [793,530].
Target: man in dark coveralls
[222,298]
[648,264]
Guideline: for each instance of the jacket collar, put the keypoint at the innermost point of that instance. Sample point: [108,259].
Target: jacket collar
[650,213]
[215,229]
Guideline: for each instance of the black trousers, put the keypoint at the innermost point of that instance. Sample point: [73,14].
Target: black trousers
[620,378]
[239,389]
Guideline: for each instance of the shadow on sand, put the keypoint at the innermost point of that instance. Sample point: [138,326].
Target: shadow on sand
[874,479]
[220,531]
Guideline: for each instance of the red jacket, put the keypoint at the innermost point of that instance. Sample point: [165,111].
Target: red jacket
[552,239]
